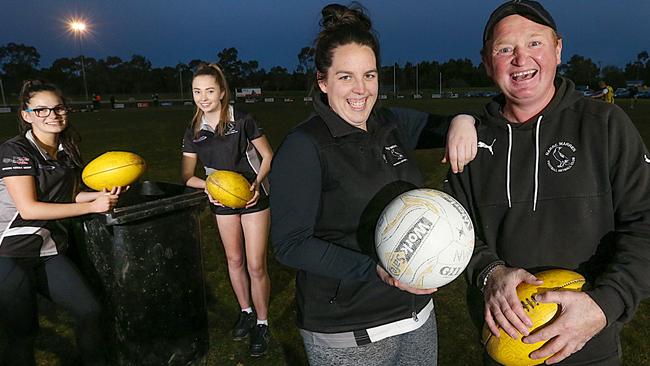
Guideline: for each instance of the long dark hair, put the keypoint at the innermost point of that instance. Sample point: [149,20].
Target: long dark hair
[68,138]
[342,25]
[216,72]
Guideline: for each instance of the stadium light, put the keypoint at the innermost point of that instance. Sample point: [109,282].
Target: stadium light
[78,28]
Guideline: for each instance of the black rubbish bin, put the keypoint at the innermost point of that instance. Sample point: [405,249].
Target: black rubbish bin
[144,260]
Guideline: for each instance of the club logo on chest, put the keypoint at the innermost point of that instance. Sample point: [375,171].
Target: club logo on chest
[561,156]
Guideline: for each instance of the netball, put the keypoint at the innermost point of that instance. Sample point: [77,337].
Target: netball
[113,169]
[231,189]
[424,238]
[514,352]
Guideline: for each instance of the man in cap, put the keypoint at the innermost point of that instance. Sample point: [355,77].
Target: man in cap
[563,181]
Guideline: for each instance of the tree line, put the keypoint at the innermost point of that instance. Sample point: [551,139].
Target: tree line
[113,75]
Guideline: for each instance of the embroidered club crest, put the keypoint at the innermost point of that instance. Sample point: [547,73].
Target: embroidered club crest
[560,156]
[393,155]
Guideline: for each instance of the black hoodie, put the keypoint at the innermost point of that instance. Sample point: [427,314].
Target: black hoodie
[570,188]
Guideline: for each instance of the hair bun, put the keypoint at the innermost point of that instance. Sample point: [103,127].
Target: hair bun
[31,83]
[336,15]
[332,14]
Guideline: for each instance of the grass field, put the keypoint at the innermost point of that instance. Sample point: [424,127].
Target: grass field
[156,135]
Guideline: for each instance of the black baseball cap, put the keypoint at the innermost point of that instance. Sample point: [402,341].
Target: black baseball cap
[531,10]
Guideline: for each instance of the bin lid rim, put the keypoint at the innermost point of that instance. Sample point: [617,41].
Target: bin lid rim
[181,197]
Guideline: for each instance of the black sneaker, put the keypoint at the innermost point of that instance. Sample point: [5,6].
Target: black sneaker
[244,324]
[260,337]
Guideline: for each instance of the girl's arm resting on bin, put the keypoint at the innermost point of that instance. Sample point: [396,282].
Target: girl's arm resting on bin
[295,203]
[89,196]
[22,190]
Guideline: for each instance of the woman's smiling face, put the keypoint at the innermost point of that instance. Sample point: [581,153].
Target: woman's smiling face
[351,83]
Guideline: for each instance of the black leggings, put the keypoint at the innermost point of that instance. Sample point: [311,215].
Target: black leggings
[56,278]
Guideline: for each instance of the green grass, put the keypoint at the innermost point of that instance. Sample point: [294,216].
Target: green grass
[156,135]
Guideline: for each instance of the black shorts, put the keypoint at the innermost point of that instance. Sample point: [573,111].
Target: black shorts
[262,204]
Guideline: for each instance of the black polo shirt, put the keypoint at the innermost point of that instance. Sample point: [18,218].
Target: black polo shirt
[233,151]
[56,181]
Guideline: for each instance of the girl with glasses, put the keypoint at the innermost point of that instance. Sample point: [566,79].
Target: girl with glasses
[40,170]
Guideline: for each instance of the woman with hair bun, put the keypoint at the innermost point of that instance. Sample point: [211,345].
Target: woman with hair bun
[40,171]
[224,138]
[332,176]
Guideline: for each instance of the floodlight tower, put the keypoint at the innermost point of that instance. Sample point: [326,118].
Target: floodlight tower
[2,89]
[78,28]
[417,79]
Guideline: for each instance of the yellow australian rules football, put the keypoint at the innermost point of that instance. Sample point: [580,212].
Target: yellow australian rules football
[231,189]
[113,169]
[514,352]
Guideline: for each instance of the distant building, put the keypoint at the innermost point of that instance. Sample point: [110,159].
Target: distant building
[630,83]
[248,92]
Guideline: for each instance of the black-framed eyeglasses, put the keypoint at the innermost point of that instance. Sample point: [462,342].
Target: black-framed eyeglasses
[59,110]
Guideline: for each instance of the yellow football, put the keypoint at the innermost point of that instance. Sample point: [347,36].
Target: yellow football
[231,189]
[513,352]
[113,169]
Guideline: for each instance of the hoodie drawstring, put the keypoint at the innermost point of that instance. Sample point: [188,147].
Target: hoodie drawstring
[508,167]
[539,123]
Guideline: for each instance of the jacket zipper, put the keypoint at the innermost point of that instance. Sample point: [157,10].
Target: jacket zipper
[414,313]
[336,293]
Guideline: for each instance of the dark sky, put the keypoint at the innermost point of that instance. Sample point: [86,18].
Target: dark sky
[610,32]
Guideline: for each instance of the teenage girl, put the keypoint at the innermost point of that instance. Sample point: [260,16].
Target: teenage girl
[40,170]
[226,139]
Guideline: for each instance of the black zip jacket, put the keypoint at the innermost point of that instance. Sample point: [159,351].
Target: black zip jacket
[569,188]
[330,183]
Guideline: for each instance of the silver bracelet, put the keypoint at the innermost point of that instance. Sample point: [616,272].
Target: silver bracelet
[488,271]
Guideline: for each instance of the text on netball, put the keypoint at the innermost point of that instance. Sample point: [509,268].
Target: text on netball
[460,256]
[411,242]
[451,271]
